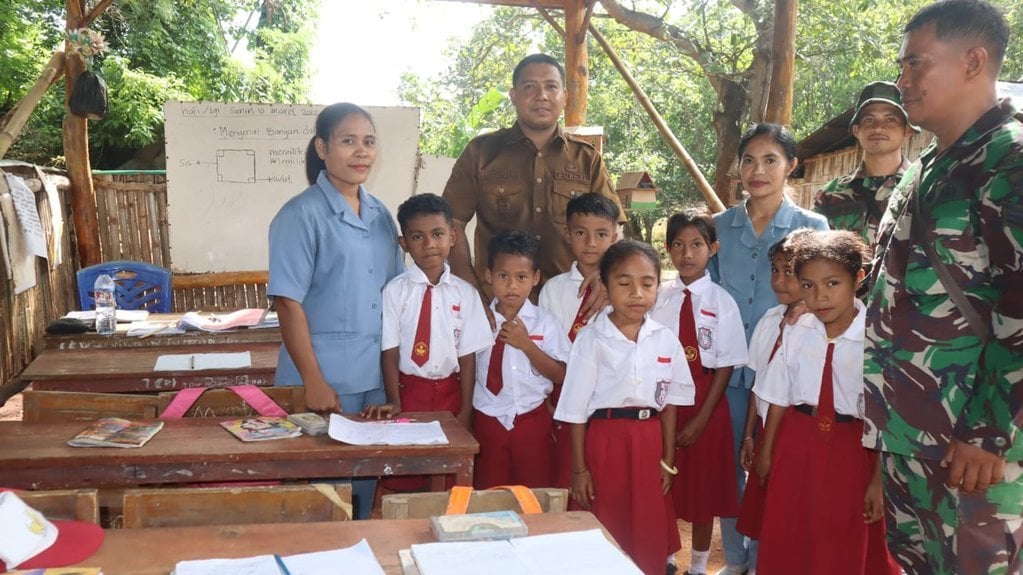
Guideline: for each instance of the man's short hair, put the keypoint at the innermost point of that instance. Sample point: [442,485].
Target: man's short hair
[966,19]
[593,204]
[423,205]
[536,59]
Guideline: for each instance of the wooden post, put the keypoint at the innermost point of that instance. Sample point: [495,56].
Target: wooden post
[712,199]
[76,152]
[577,17]
[779,102]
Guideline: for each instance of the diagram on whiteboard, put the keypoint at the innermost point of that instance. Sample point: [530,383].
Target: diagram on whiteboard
[238,166]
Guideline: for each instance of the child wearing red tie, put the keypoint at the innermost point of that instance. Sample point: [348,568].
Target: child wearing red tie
[592,221]
[824,499]
[626,375]
[512,422]
[707,322]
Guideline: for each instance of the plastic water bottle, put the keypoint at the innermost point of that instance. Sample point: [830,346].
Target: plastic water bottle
[106,305]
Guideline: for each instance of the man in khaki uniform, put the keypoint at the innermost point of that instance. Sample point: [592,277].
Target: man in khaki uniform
[522,177]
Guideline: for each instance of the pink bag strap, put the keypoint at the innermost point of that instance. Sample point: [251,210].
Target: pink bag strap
[257,399]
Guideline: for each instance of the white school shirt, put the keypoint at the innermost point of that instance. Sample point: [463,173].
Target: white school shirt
[794,376]
[719,328]
[606,369]
[524,387]
[458,324]
[560,296]
[760,346]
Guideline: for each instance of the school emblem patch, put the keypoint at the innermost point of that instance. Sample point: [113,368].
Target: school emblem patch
[690,353]
[420,349]
[705,337]
[661,394]
[824,423]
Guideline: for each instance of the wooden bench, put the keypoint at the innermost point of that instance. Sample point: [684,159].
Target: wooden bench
[55,406]
[420,505]
[187,506]
[77,504]
[226,403]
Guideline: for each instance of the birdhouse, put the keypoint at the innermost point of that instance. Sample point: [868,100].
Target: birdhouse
[637,191]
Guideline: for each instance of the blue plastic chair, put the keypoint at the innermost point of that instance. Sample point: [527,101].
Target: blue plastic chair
[139,285]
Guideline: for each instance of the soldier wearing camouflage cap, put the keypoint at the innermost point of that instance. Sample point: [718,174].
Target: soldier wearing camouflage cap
[856,202]
[944,342]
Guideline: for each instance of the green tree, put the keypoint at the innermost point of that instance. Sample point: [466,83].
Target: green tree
[160,50]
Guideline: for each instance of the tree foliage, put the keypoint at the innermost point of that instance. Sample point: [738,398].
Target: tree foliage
[224,50]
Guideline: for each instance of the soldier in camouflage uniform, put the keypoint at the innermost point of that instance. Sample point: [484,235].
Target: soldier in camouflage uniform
[943,400]
[857,201]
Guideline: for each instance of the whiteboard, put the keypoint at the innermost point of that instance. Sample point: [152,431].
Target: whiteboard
[231,166]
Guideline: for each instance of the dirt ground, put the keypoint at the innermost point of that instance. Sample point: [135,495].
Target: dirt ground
[12,411]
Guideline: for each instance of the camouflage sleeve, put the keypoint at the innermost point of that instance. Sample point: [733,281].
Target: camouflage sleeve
[991,419]
[818,197]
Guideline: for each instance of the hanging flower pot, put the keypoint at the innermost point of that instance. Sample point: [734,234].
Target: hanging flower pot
[89,96]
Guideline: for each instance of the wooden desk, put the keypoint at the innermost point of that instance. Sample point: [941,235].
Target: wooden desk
[92,340]
[36,456]
[131,370]
[155,551]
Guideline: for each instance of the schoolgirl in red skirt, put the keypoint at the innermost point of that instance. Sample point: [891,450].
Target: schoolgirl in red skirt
[707,322]
[626,373]
[824,492]
[763,346]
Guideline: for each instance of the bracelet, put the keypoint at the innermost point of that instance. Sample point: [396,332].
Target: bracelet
[583,471]
[747,438]
[672,470]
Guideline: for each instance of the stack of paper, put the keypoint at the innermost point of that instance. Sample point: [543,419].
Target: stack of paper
[123,315]
[357,560]
[385,432]
[556,554]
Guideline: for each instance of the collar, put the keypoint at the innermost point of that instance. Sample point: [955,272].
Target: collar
[516,135]
[782,218]
[608,329]
[416,275]
[860,172]
[699,286]
[527,312]
[574,273]
[988,122]
[855,332]
[370,207]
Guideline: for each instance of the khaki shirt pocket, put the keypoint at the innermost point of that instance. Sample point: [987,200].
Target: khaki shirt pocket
[502,201]
[561,194]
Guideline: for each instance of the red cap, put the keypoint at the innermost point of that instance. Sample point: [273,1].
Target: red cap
[76,541]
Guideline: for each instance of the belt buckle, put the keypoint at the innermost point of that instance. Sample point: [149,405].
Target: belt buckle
[643,414]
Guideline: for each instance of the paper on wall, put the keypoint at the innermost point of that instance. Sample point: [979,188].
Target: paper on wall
[28,215]
[56,219]
[21,265]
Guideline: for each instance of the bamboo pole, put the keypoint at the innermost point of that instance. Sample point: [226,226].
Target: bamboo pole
[22,111]
[706,190]
[783,56]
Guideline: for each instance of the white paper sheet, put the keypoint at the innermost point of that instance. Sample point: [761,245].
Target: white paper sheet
[573,552]
[123,315]
[28,215]
[148,328]
[355,560]
[458,558]
[203,361]
[19,260]
[381,433]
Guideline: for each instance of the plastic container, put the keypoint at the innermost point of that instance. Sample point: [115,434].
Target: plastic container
[106,305]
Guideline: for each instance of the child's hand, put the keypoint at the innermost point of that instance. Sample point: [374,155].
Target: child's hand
[762,464]
[690,432]
[667,480]
[513,332]
[746,455]
[550,404]
[873,502]
[582,488]
[383,411]
[465,418]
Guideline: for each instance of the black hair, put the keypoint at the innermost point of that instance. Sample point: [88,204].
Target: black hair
[423,205]
[966,19]
[778,133]
[621,250]
[697,217]
[840,246]
[328,119]
[515,243]
[593,204]
[536,59]
[789,243]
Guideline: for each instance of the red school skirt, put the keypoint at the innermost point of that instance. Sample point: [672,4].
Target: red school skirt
[751,510]
[813,510]
[705,485]
[623,456]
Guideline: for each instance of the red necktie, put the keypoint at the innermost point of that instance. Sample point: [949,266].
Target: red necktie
[826,400]
[421,348]
[579,321]
[495,379]
[687,333]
